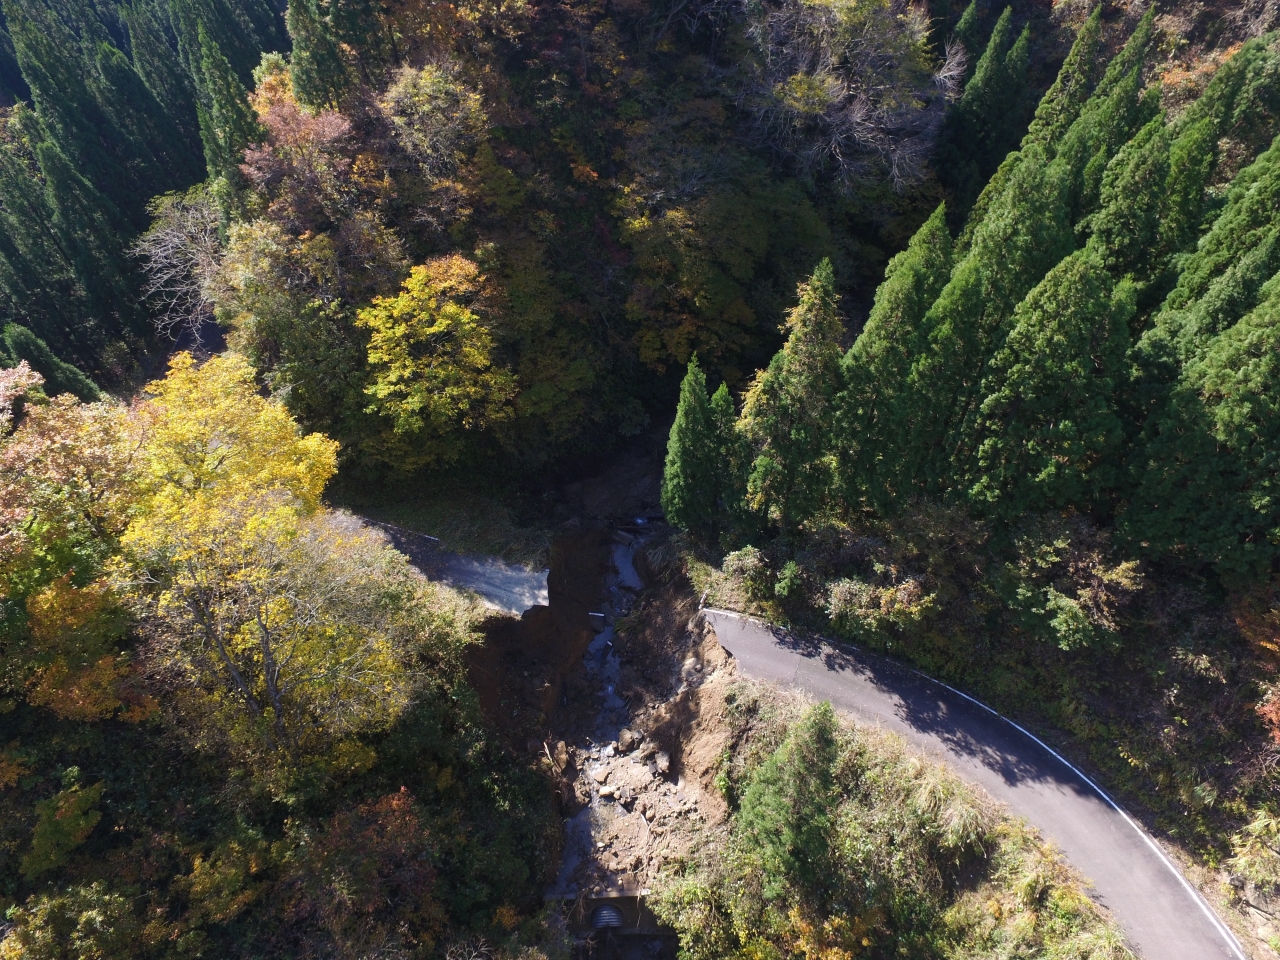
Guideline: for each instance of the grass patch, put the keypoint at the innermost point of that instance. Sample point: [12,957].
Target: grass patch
[466,521]
[844,843]
[470,523]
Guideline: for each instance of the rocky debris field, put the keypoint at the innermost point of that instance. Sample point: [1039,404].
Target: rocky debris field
[640,750]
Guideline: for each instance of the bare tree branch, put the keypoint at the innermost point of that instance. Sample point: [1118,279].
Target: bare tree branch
[848,88]
[180,254]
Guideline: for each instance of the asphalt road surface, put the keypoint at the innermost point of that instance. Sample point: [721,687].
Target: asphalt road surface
[1160,913]
[501,585]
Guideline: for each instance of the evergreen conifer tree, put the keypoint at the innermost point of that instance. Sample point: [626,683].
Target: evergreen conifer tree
[1090,135]
[265,25]
[1243,98]
[35,280]
[787,412]
[1220,280]
[787,811]
[161,70]
[968,33]
[1108,121]
[92,232]
[227,121]
[690,477]
[985,125]
[1126,227]
[1048,435]
[731,484]
[95,108]
[1011,252]
[12,87]
[872,421]
[1191,161]
[70,116]
[231,30]
[358,25]
[157,157]
[59,376]
[1210,467]
[1058,110]
[1027,229]
[320,78]
[1062,102]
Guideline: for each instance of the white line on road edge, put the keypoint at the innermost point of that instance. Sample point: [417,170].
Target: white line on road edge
[392,526]
[1214,919]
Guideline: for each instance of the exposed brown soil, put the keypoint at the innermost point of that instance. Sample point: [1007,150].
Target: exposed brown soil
[650,796]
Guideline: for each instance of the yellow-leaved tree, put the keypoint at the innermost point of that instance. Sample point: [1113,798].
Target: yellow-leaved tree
[281,631]
[210,436]
[432,360]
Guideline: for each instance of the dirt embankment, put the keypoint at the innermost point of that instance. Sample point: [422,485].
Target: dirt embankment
[615,690]
[635,800]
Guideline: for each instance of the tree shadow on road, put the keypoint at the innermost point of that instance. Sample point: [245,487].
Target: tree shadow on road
[934,716]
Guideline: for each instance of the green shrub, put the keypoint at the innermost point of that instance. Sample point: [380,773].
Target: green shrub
[847,845]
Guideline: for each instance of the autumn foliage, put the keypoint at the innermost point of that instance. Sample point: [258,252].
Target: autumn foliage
[174,583]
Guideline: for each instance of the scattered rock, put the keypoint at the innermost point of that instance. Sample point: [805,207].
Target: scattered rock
[609,751]
[606,792]
[600,774]
[690,669]
[627,740]
[662,762]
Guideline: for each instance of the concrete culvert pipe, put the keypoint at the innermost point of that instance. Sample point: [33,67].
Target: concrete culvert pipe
[606,916]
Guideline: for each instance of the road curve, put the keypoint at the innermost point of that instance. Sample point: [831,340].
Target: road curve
[1162,915]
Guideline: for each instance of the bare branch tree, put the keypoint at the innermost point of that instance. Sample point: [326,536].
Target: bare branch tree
[1255,17]
[848,87]
[180,255]
[474,949]
[950,76]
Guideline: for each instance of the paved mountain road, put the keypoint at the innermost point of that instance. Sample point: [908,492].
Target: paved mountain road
[1161,914]
[509,587]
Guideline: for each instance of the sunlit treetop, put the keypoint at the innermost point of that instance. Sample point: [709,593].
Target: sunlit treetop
[212,435]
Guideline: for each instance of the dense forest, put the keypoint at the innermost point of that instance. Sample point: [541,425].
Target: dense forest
[594,193]
[1046,467]
[1018,426]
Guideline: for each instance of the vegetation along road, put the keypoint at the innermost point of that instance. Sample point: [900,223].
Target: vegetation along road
[1160,912]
